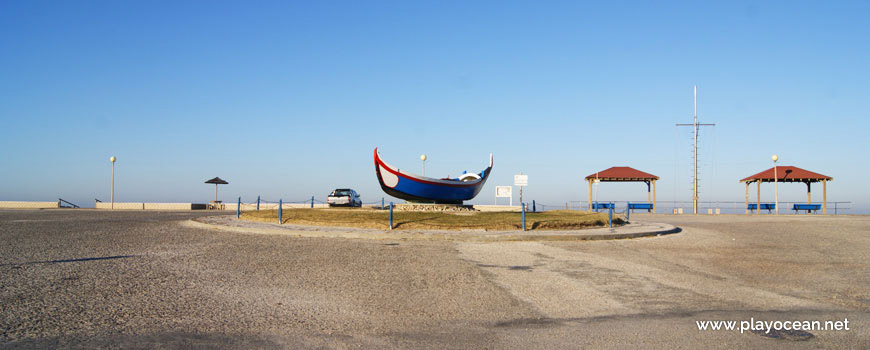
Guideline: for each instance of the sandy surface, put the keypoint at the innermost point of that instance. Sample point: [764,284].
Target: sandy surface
[85,279]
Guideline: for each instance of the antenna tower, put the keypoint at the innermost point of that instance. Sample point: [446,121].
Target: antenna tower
[695,127]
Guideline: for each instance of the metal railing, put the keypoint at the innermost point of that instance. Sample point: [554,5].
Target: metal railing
[265,204]
[739,207]
[662,207]
[710,207]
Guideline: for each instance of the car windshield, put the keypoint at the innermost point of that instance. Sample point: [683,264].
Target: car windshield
[341,193]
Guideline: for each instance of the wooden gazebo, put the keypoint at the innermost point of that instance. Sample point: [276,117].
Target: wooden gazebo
[625,174]
[789,174]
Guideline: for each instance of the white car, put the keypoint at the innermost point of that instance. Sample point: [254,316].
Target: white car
[344,197]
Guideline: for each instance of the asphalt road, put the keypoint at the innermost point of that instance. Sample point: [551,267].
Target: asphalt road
[96,279]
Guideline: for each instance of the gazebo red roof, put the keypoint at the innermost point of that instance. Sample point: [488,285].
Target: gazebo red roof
[622,173]
[787,173]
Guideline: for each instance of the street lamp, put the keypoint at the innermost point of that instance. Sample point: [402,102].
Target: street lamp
[597,183]
[113,159]
[423,158]
[775,180]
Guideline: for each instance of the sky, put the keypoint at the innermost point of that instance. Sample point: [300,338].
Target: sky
[289,99]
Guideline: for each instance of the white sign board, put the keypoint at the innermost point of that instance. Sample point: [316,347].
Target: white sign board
[504,192]
[521,180]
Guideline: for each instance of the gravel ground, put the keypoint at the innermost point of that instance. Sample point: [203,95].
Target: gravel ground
[96,279]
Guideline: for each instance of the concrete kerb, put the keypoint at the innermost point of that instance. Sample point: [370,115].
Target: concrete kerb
[231,224]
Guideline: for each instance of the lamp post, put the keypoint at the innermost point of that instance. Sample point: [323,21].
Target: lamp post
[423,158]
[597,183]
[113,159]
[775,190]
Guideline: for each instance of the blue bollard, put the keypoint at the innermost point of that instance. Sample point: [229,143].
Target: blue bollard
[382,203]
[610,217]
[312,202]
[258,203]
[627,211]
[391,215]
[534,209]
[523,205]
[239,208]
[280,211]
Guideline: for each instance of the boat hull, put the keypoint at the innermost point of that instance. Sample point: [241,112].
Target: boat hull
[421,189]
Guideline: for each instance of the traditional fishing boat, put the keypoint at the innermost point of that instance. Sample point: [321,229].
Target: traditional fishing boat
[416,188]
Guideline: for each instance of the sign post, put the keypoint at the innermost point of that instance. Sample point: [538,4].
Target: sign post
[521,181]
[523,207]
[503,192]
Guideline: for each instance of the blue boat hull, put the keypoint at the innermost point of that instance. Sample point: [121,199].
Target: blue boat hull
[427,190]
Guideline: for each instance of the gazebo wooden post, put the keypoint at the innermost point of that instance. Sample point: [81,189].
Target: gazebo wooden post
[654,196]
[589,203]
[824,196]
[747,198]
[809,194]
[758,204]
[648,193]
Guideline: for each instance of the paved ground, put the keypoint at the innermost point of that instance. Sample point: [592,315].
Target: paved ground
[85,279]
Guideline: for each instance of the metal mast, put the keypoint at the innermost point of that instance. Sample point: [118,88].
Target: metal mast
[695,128]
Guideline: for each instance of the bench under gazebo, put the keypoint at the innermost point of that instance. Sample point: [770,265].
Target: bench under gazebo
[788,174]
[627,174]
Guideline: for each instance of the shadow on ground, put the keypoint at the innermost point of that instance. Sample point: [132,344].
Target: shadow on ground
[163,340]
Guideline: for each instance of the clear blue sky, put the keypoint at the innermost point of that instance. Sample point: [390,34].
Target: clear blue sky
[288,99]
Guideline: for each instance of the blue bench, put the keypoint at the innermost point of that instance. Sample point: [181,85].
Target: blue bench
[765,206]
[597,206]
[647,206]
[807,207]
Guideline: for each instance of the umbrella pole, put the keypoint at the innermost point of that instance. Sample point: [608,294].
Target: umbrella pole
[215,192]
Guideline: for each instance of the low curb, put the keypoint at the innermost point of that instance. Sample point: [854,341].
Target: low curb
[634,230]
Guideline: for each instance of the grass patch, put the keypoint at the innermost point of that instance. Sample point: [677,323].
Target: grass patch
[371,218]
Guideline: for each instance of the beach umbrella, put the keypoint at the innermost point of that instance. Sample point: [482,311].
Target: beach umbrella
[216,181]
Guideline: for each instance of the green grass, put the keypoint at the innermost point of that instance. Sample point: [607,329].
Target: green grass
[371,218]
